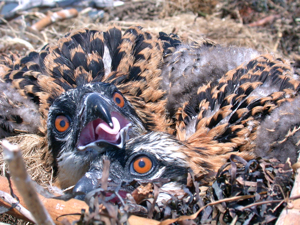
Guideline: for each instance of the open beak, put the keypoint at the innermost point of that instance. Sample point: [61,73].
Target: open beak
[91,183]
[101,124]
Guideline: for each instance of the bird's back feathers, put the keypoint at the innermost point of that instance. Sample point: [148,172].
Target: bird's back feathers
[18,115]
[190,66]
[279,134]
[224,118]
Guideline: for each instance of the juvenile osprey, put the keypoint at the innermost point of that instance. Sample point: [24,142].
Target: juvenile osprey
[89,91]
[92,91]
[251,111]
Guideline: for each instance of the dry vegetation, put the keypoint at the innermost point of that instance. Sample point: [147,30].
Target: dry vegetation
[225,22]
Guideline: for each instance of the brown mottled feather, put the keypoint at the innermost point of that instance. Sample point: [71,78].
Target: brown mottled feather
[78,58]
[224,119]
[131,61]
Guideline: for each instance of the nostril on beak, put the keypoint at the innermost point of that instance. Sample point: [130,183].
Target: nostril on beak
[96,107]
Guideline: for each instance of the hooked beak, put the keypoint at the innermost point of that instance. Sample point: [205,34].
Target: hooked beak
[101,125]
[91,182]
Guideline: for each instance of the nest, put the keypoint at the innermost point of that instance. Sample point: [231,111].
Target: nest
[243,192]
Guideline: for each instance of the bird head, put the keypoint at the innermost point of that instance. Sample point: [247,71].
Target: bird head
[85,122]
[147,158]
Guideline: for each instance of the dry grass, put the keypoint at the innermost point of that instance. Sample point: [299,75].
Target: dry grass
[225,31]
[36,148]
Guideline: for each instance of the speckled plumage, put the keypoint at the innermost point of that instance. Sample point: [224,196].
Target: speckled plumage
[279,134]
[223,118]
[18,115]
[86,56]
[209,101]
[190,66]
[59,77]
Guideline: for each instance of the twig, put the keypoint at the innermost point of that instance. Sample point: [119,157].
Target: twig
[3,21]
[264,21]
[8,17]
[15,208]
[32,35]
[13,41]
[262,203]
[291,213]
[236,198]
[1,5]
[151,210]
[55,17]
[105,174]
[279,36]
[13,156]
[278,7]
[57,208]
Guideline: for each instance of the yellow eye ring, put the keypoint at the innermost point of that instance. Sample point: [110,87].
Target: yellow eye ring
[142,165]
[119,100]
[62,123]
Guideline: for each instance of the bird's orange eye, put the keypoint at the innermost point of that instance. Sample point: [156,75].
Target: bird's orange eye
[119,100]
[62,123]
[142,165]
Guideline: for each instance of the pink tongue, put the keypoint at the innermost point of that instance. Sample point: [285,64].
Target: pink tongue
[104,127]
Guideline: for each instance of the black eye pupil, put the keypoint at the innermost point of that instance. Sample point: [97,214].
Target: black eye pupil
[118,100]
[142,164]
[62,123]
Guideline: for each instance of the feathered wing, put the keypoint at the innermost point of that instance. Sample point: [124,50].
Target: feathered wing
[186,67]
[132,61]
[279,134]
[17,113]
[223,119]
